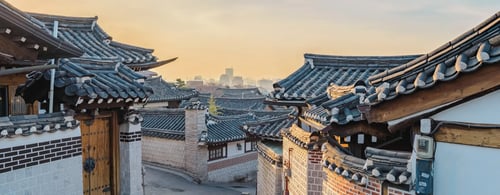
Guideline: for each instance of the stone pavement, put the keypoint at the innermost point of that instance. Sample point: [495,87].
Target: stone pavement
[163,181]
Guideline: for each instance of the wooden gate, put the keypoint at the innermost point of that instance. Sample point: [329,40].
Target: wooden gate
[99,153]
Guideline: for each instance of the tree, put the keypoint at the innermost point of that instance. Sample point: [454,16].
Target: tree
[212,107]
[179,83]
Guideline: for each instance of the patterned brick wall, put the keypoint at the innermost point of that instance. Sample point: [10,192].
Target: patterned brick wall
[163,151]
[130,136]
[269,177]
[23,156]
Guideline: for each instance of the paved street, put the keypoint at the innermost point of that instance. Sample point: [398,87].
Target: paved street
[160,181]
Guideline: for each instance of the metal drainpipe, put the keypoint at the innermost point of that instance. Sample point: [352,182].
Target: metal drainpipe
[53,71]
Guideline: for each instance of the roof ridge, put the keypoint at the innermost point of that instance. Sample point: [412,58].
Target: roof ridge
[452,44]
[60,18]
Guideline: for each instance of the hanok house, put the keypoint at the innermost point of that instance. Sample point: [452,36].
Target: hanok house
[207,147]
[37,152]
[321,78]
[448,103]
[97,89]
[166,94]
[270,159]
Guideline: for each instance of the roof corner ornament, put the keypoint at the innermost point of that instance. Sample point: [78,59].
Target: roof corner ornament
[310,62]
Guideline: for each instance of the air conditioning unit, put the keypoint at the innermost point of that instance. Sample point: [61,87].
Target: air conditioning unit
[424,146]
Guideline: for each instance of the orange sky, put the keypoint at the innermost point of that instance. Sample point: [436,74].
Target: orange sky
[267,39]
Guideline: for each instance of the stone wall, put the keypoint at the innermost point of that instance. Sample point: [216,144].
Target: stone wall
[314,173]
[296,158]
[242,167]
[163,151]
[46,163]
[196,153]
[269,177]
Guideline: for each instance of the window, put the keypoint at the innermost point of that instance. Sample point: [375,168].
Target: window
[217,152]
[250,146]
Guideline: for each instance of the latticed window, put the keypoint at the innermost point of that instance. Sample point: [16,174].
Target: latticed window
[217,152]
[250,146]
[4,108]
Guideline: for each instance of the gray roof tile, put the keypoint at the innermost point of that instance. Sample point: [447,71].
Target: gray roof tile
[321,71]
[86,34]
[25,125]
[163,91]
[475,48]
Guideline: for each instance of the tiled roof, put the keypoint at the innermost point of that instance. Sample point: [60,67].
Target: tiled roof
[321,71]
[254,103]
[238,92]
[257,113]
[269,128]
[163,91]
[168,119]
[226,128]
[86,34]
[470,51]
[15,22]
[163,123]
[26,125]
[341,110]
[90,80]
[380,164]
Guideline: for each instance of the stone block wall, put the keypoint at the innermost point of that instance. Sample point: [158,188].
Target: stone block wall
[314,173]
[242,167]
[269,177]
[296,158]
[163,151]
[46,163]
[196,153]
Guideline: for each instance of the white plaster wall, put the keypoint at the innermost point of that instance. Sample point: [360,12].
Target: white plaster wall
[485,109]
[58,177]
[42,137]
[462,169]
[232,149]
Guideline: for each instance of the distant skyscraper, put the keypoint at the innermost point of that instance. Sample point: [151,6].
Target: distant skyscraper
[230,73]
[237,81]
[198,78]
[225,80]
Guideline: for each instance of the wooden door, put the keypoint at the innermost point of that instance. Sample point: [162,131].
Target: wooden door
[97,155]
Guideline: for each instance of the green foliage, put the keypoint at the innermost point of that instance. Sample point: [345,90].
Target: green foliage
[180,83]
[212,107]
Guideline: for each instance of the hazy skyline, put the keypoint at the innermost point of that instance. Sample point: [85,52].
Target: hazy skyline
[267,39]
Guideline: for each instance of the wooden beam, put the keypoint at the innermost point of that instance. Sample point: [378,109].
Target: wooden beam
[483,137]
[465,85]
[26,69]
[376,129]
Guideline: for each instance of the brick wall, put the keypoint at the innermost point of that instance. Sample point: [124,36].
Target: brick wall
[46,163]
[297,158]
[163,151]
[269,177]
[337,185]
[232,169]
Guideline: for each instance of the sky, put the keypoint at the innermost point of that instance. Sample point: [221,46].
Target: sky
[267,39]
